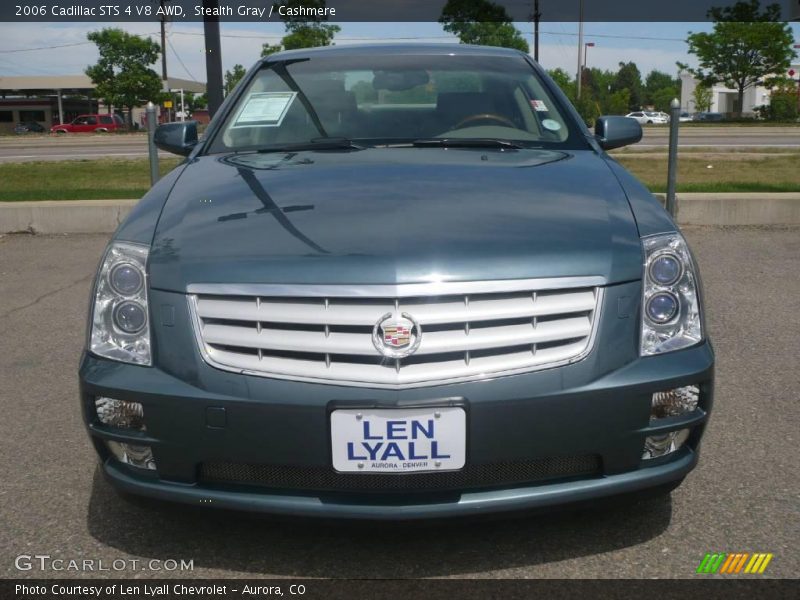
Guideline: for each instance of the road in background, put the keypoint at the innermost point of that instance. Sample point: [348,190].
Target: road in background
[87,146]
[743,497]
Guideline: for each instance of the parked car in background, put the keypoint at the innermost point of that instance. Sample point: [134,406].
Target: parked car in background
[647,117]
[708,117]
[685,117]
[449,303]
[29,127]
[91,124]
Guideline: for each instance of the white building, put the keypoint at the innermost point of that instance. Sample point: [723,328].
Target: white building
[723,99]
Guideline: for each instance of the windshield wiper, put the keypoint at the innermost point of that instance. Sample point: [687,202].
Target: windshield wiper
[464,143]
[320,143]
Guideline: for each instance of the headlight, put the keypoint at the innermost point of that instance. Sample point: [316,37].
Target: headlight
[671,317]
[120,326]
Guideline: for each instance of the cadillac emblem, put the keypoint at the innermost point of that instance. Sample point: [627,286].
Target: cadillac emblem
[396,337]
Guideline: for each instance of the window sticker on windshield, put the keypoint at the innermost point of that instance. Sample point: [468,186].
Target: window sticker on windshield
[264,109]
[539,105]
[551,125]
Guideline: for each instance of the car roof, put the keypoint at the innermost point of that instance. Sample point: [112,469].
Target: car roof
[395,49]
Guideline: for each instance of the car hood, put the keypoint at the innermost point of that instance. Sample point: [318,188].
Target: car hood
[394,215]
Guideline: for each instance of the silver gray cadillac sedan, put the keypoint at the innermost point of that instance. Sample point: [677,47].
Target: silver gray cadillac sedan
[396,282]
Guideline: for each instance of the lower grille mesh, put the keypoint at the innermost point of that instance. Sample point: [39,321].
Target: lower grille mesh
[472,476]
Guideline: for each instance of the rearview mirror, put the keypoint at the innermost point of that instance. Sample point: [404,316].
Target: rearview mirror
[178,138]
[615,132]
[398,81]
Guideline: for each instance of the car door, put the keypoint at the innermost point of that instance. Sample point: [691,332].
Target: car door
[91,124]
[78,125]
[106,123]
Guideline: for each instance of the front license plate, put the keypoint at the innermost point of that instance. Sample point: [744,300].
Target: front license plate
[398,440]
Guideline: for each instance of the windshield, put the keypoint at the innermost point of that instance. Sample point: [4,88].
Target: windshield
[386,99]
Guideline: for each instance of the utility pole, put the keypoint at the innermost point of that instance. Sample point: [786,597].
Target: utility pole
[536,18]
[164,79]
[580,47]
[213,57]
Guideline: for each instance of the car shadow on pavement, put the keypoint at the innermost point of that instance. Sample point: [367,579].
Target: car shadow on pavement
[293,547]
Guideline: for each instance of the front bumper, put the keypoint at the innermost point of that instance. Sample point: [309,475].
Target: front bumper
[561,412]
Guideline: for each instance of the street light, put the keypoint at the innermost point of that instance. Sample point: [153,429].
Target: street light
[586,47]
[791,74]
[183,105]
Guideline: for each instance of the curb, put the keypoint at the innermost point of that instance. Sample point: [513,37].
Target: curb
[726,209]
[104,216]
[64,216]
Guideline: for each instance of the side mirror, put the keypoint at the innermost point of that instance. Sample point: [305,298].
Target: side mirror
[615,132]
[178,138]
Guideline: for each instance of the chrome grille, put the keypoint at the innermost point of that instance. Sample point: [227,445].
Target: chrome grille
[471,330]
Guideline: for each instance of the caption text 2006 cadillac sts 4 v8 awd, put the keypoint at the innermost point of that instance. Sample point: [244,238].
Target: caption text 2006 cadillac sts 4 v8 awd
[396,282]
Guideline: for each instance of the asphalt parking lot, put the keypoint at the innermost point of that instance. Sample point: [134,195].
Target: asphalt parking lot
[743,497]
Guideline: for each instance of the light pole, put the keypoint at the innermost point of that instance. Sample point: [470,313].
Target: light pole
[536,18]
[164,79]
[580,46]
[183,105]
[213,57]
[791,74]
[586,47]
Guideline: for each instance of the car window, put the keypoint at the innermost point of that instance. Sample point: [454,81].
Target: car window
[91,121]
[79,121]
[106,120]
[381,99]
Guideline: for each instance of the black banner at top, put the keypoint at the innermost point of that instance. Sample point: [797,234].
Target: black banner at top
[261,11]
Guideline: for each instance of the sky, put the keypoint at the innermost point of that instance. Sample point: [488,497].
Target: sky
[62,48]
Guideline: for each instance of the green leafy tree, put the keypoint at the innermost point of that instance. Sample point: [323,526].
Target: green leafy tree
[122,76]
[662,98]
[703,98]
[659,89]
[481,22]
[233,77]
[783,103]
[629,78]
[303,32]
[746,48]
[618,102]
[194,101]
[564,81]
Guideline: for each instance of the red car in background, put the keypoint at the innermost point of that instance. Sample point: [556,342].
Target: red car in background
[90,124]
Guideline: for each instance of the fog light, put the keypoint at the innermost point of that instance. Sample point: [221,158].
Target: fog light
[120,413]
[661,445]
[132,454]
[674,402]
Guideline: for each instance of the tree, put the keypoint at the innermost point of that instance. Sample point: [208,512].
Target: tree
[122,76]
[564,81]
[782,104]
[618,102]
[703,98]
[302,32]
[233,77]
[659,89]
[746,48]
[629,78]
[481,22]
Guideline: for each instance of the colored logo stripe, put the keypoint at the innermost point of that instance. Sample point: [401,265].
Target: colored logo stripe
[758,563]
[733,563]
